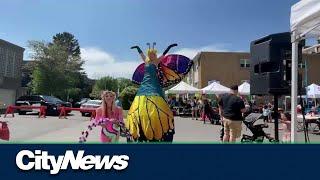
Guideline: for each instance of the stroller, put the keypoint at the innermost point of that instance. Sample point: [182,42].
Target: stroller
[254,122]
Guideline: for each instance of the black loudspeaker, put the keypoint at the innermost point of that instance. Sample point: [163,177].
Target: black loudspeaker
[271,65]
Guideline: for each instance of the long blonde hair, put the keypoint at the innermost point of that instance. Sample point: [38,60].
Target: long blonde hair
[104,105]
[149,51]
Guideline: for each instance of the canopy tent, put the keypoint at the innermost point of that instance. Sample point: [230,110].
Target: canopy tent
[183,88]
[313,91]
[304,23]
[244,89]
[215,88]
[305,18]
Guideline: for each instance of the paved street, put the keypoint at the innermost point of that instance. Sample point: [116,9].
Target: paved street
[31,129]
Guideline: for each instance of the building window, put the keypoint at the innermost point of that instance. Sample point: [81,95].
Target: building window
[244,63]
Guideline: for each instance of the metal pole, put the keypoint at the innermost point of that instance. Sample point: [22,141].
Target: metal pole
[294,85]
[276,122]
[285,103]
[306,81]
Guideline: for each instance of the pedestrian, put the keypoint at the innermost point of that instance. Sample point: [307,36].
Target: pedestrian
[205,110]
[286,121]
[71,101]
[248,110]
[265,113]
[231,107]
[270,111]
[200,106]
[118,103]
[110,130]
[194,108]
[221,119]
[208,111]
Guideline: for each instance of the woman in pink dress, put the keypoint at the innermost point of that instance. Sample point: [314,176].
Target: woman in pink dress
[110,130]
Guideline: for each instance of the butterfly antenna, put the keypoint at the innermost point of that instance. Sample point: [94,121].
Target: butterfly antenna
[153,45]
[148,44]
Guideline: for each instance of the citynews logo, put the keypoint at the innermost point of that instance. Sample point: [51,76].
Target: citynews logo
[40,160]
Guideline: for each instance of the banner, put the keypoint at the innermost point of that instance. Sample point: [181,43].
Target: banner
[159,161]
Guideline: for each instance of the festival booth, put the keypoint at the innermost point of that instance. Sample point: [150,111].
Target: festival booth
[215,88]
[313,91]
[304,24]
[183,88]
[244,89]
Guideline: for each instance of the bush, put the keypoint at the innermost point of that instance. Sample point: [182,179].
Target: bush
[127,96]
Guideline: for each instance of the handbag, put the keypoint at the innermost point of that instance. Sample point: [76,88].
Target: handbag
[4,131]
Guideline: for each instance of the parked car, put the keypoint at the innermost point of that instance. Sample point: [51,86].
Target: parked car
[91,104]
[83,100]
[52,103]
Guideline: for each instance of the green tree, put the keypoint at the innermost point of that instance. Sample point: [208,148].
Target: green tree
[86,85]
[68,41]
[124,82]
[48,76]
[127,96]
[70,45]
[105,83]
[109,83]
[58,66]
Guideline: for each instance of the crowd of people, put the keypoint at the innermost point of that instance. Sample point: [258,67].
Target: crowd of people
[201,108]
[229,110]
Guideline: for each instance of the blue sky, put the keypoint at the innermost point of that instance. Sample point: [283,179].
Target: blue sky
[107,28]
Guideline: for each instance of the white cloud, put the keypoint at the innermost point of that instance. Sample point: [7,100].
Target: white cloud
[28,53]
[192,52]
[96,56]
[99,63]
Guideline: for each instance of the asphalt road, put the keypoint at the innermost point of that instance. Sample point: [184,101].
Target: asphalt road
[31,129]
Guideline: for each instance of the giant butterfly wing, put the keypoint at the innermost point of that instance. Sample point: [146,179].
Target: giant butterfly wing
[138,74]
[173,68]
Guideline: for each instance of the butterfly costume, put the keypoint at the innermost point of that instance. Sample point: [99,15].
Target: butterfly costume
[150,117]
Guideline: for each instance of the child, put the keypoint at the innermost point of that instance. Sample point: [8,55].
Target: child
[286,120]
[265,113]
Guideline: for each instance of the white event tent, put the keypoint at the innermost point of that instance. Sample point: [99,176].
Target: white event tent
[183,88]
[304,23]
[215,88]
[313,91]
[244,89]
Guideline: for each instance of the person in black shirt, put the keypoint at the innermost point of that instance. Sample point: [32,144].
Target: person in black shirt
[231,108]
[207,111]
